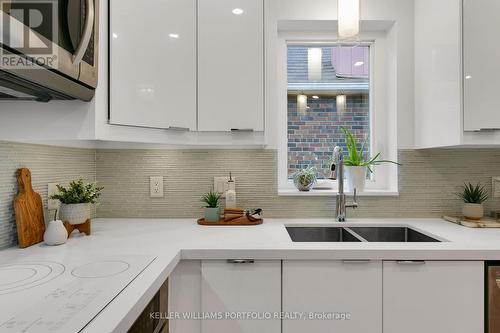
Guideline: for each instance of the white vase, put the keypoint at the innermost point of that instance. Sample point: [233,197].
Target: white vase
[356,178]
[75,213]
[473,211]
[55,234]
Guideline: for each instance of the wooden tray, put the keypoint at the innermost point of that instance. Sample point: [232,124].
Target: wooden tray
[483,223]
[240,221]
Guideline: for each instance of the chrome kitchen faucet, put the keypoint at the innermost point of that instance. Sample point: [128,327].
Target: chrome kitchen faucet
[338,173]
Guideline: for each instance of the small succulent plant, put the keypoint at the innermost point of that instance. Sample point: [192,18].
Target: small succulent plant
[474,194]
[211,199]
[305,178]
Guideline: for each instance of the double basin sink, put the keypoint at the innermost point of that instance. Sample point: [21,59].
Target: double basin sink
[358,234]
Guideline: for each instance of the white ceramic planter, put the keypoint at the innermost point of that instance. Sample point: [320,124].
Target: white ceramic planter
[356,178]
[55,234]
[75,213]
[473,211]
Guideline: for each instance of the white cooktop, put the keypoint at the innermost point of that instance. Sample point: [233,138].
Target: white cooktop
[39,296]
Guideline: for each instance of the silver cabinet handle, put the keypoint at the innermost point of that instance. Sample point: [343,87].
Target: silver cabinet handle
[176,128]
[411,262]
[240,261]
[488,129]
[361,261]
[87,32]
[241,129]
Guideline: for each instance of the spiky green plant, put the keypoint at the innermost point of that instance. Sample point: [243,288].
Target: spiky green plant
[474,194]
[357,158]
[78,192]
[211,199]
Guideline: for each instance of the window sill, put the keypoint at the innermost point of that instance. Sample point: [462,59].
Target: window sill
[287,192]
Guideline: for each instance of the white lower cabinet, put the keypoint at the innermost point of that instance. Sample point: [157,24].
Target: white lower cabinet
[184,297]
[326,287]
[433,297]
[240,288]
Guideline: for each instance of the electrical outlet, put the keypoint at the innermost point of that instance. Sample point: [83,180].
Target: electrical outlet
[220,184]
[495,187]
[156,187]
[51,190]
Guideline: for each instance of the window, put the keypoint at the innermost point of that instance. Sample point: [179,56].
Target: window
[328,87]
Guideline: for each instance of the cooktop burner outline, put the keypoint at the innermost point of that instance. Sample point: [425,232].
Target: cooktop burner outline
[100,269]
[43,272]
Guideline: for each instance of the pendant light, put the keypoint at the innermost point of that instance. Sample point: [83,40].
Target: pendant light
[348,18]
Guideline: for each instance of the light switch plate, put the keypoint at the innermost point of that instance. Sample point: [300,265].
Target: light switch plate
[495,187]
[51,190]
[156,186]
[220,184]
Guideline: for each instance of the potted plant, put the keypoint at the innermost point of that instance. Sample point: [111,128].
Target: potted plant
[473,197]
[305,179]
[76,201]
[212,209]
[355,163]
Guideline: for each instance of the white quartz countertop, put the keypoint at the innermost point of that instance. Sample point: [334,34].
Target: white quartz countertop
[171,240]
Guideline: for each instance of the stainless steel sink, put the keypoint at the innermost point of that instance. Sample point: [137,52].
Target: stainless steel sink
[321,234]
[357,234]
[392,234]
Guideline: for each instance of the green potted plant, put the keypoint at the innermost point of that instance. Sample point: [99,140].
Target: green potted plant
[473,197]
[305,179]
[356,164]
[212,209]
[77,200]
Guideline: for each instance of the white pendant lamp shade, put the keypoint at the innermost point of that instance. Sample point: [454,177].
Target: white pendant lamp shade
[348,11]
[301,103]
[314,57]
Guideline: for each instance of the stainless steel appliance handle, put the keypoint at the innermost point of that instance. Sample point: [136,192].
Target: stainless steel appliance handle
[87,32]
[240,261]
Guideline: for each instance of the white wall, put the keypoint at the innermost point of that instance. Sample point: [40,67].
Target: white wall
[398,11]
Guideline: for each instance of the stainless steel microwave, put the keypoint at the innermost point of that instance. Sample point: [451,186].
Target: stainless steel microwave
[49,49]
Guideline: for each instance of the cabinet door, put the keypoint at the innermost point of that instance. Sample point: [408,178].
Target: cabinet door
[481,24]
[347,288]
[184,296]
[232,289]
[230,65]
[433,297]
[153,63]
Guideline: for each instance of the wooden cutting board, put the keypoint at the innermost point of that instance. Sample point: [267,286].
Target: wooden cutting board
[29,211]
[483,223]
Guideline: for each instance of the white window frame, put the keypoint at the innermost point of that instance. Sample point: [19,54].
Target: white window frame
[383,121]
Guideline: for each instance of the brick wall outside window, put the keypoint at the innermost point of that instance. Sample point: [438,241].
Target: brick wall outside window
[314,133]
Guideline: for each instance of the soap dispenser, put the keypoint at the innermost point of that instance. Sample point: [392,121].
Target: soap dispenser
[231,193]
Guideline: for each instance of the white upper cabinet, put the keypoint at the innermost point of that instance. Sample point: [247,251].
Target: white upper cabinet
[153,63]
[433,297]
[457,73]
[341,288]
[438,72]
[230,65]
[481,26]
